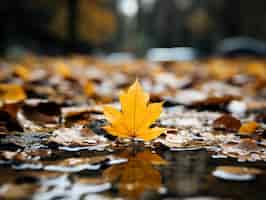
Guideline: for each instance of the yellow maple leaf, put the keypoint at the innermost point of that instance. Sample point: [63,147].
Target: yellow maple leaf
[136,115]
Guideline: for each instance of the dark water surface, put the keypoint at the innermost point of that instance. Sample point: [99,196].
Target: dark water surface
[146,175]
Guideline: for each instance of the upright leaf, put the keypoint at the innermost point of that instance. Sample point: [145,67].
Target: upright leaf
[136,115]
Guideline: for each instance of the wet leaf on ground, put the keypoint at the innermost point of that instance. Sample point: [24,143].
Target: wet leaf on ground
[245,150]
[8,123]
[227,123]
[215,103]
[78,137]
[235,173]
[248,128]
[43,114]
[11,93]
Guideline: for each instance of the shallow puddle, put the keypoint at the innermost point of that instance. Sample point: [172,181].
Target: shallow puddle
[133,173]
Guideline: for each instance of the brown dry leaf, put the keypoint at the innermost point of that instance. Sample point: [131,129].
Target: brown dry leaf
[77,110]
[137,175]
[8,123]
[136,115]
[261,118]
[248,128]
[81,115]
[215,103]
[245,150]
[77,136]
[240,170]
[44,114]
[227,123]
[38,91]
[11,93]
[11,108]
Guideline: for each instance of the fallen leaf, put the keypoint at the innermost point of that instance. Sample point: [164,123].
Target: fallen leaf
[77,136]
[227,123]
[248,128]
[11,108]
[136,115]
[245,150]
[89,88]
[256,69]
[234,173]
[77,110]
[81,115]
[261,118]
[8,123]
[11,93]
[63,70]
[214,103]
[220,70]
[39,115]
[22,72]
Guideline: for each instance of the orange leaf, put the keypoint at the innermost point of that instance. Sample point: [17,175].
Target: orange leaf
[22,72]
[11,93]
[248,128]
[89,88]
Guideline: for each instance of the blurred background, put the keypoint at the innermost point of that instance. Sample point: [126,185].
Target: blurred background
[199,27]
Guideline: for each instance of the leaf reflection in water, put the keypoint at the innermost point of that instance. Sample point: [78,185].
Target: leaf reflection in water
[137,175]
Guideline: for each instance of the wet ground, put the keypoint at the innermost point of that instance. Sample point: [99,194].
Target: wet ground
[134,173]
[53,144]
